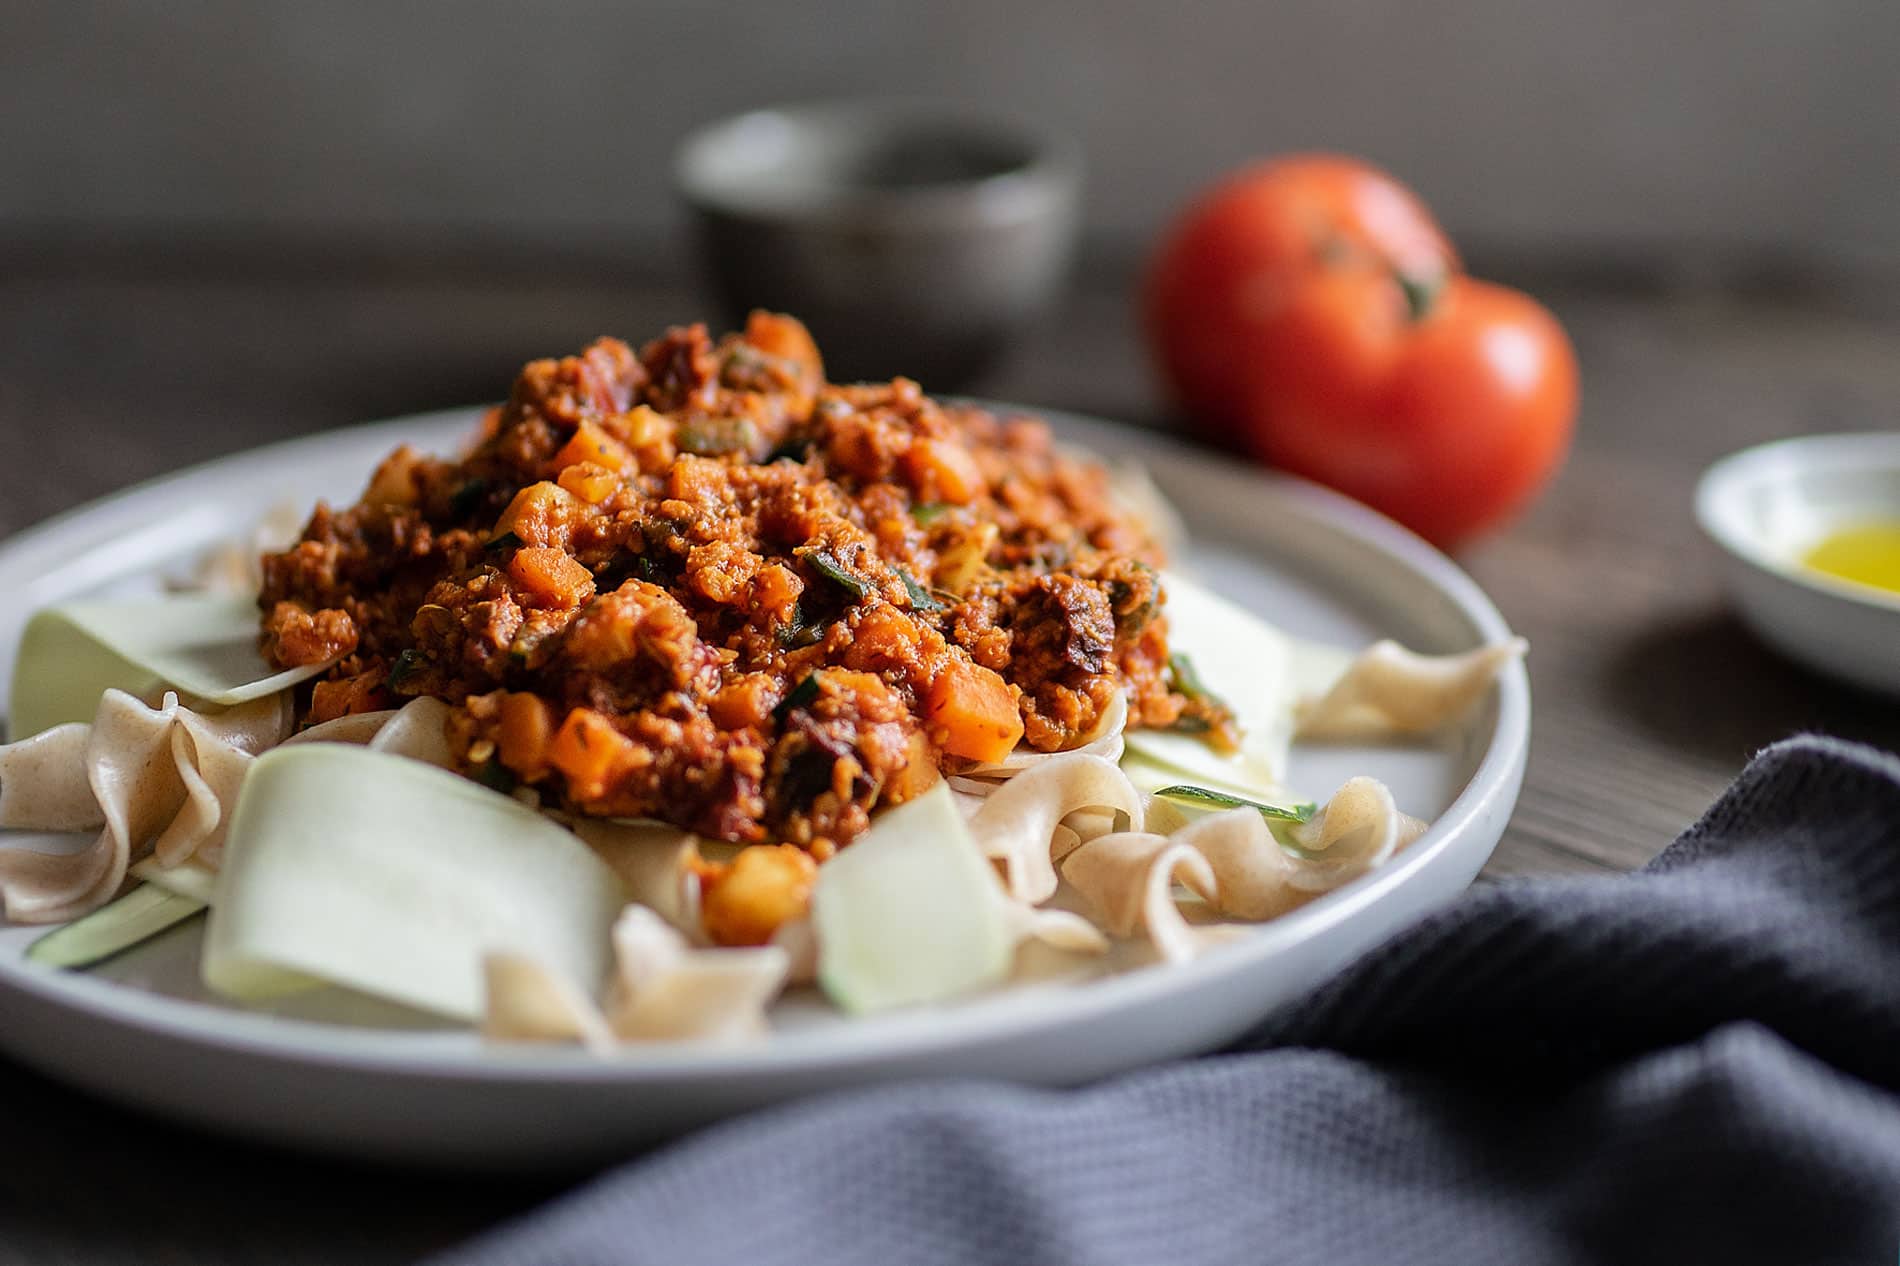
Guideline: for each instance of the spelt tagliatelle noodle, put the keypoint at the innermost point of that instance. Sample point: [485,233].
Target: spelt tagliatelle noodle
[1017,823]
[661,989]
[236,567]
[1129,878]
[43,784]
[664,988]
[654,863]
[525,1001]
[160,780]
[1356,831]
[1234,863]
[1390,692]
[355,729]
[418,730]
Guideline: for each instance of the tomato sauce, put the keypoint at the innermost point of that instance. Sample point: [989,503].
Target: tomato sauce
[701,584]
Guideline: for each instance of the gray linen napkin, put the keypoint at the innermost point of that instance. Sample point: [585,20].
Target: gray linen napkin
[1697,1063]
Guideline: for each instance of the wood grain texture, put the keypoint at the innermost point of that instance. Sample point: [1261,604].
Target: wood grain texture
[1648,696]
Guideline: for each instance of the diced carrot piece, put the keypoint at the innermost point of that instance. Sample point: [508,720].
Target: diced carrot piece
[332,699]
[587,749]
[775,592]
[551,577]
[526,727]
[884,639]
[745,700]
[592,444]
[540,514]
[972,712]
[699,480]
[592,484]
[942,470]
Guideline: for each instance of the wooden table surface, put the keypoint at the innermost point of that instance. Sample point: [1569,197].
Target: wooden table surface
[1648,695]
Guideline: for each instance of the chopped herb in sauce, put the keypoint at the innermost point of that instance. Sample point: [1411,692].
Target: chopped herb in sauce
[496,776]
[1206,713]
[803,695]
[803,630]
[920,597]
[1187,680]
[468,498]
[831,569]
[406,665]
[793,450]
[710,437]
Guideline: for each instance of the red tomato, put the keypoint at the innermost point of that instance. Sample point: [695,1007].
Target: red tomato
[1236,253]
[1309,312]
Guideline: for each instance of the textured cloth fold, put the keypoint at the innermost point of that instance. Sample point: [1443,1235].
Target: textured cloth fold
[1696,1063]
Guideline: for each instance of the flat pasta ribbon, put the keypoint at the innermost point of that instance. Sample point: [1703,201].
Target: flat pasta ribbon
[1058,929]
[354,728]
[1017,824]
[1358,830]
[653,861]
[418,730]
[43,783]
[1129,878]
[164,777]
[1390,692]
[1233,862]
[524,1001]
[662,989]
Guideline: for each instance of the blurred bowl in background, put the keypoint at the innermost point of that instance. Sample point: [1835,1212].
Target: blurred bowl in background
[912,238]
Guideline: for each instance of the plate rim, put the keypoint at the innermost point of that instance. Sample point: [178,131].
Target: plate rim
[896,1036]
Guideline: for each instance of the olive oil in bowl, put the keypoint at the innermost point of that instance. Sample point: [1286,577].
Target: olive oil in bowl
[1866,552]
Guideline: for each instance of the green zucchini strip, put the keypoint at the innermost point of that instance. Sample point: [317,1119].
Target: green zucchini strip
[138,916]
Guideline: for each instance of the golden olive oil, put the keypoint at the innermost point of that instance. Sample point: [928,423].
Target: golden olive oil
[1866,552]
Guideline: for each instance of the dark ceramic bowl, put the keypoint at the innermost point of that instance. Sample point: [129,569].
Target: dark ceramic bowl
[912,239]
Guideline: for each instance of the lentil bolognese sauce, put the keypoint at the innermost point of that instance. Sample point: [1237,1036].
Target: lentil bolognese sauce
[701,584]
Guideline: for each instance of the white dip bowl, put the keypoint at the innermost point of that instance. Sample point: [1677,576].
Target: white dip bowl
[1767,507]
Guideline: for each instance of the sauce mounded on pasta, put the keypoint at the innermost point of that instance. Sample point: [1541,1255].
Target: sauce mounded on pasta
[700,584]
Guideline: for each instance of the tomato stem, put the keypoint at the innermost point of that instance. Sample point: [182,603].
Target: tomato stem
[1421,292]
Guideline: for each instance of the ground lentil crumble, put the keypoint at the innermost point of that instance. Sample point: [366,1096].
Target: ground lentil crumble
[701,584]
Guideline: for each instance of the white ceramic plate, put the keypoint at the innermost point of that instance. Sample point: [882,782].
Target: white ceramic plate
[1767,507]
[141,1030]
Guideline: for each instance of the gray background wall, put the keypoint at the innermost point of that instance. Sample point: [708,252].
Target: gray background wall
[1616,130]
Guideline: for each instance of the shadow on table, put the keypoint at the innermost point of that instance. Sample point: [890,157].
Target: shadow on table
[1705,684]
[86,1181]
